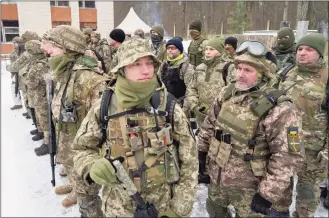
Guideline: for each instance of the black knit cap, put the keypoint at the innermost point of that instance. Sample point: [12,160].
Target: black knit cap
[196,25]
[118,35]
[231,41]
[176,42]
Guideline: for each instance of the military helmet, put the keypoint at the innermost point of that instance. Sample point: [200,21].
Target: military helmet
[87,31]
[130,51]
[33,47]
[29,35]
[67,38]
[139,32]
[96,35]
[17,39]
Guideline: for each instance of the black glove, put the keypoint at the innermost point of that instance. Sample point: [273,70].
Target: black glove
[202,177]
[260,204]
[148,211]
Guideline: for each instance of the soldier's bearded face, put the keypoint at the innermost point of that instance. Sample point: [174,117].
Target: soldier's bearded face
[229,48]
[172,52]
[51,49]
[307,55]
[141,70]
[210,52]
[246,76]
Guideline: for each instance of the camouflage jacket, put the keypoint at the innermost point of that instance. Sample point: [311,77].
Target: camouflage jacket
[286,58]
[104,50]
[84,87]
[272,151]
[161,52]
[308,94]
[156,190]
[35,81]
[14,56]
[206,83]
[113,63]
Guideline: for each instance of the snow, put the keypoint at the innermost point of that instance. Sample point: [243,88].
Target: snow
[26,190]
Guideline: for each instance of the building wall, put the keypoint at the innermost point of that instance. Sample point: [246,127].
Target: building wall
[9,12]
[34,16]
[75,20]
[105,17]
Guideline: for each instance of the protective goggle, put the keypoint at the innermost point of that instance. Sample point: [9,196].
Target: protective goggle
[253,47]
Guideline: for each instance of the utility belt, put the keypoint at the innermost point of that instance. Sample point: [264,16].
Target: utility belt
[151,158]
[255,158]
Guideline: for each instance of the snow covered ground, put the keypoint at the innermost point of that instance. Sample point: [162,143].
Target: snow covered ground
[26,190]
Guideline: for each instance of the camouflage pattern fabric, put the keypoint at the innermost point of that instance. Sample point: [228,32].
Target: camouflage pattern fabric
[308,95]
[29,35]
[196,51]
[161,52]
[139,33]
[234,116]
[206,83]
[67,37]
[103,49]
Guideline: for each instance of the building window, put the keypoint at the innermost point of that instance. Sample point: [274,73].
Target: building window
[57,23]
[10,29]
[59,3]
[87,4]
[88,24]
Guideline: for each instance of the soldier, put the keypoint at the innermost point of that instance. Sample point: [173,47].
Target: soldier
[78,85]
[35,80]
[251,138]
[14,76]
[103,50]
[311,74]
[208,79]
[139,33]
[176,71]
[158,45]
[197,45]
[137,90]
[231,44]
[87,32]
[285,49]
[117,37]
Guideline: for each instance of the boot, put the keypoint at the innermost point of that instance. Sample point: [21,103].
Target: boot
[25,114]
[63,190]
[62,172]
[38,136]
[28,117]
[42,150]
[70,200]
[15,107]
[34,132]
[90,206]
[326,202]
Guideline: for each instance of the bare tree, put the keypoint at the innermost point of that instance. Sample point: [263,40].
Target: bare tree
[285,11]
[302,7]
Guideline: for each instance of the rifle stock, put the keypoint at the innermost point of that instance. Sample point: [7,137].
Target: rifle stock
[52,132]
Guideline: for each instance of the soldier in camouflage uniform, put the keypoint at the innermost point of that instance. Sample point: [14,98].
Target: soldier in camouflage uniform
[208,79]
[117,37]
[285,49]
[254,149]
[176,72]
[35,81]
[231,44]
[135,87]
[102,48]
[78,85]
[197,45]
[139,33]
[14,76]
[158,45]
[311,74]
[87,32]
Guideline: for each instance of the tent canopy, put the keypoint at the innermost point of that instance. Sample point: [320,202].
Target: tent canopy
[132,22]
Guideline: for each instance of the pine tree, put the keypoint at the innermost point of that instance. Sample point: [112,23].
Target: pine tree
[239,20]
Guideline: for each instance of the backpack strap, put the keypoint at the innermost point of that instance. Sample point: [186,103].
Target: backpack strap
[283,75]
[225,71]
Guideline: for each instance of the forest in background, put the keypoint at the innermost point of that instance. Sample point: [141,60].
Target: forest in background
[226,17]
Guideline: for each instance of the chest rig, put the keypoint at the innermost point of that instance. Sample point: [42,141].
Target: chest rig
[236,129]
[172,79]
[194,53]
[144,137]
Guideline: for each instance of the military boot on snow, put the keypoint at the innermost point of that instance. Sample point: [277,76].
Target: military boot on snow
[38,136]
[34,132]
[326,202]
[62,172]
[16,107]
[63,190]
[42,150]
[25,114]
[70,200]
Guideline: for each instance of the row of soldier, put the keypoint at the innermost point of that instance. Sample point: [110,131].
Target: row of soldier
[249,136]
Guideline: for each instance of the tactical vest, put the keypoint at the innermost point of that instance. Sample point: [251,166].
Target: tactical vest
[237,126]
[71,115]
[171,78]
[283,60]
[195,52]
[151,155]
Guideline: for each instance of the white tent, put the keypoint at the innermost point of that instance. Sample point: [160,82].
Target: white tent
[132,22]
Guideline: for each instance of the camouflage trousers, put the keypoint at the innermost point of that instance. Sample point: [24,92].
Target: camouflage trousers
[220,197]
[308,191]
[41,113]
